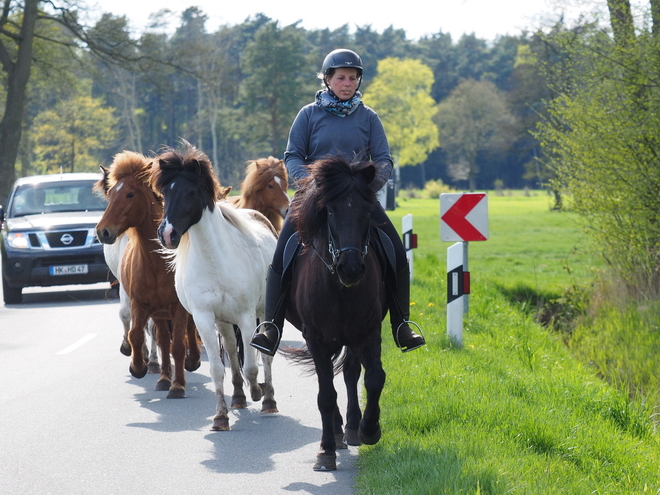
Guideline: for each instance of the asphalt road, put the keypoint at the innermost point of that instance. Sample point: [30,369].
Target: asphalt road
[74,421]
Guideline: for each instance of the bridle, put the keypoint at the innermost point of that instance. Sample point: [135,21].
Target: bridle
[335,252]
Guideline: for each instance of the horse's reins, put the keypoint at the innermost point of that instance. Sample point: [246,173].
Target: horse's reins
[336,253]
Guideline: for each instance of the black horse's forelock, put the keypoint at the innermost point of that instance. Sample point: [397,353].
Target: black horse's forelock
[190,163]
[330,179]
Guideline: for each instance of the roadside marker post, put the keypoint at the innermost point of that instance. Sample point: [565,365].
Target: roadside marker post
[409,240]
[463,218]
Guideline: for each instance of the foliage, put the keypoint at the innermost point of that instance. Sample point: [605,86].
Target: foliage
[434,188]
[400,93]
[69,137]
[474,119]
[602,142]
[274,60]
[213,88]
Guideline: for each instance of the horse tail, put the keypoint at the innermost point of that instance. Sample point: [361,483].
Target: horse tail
[302,356]
[240,350]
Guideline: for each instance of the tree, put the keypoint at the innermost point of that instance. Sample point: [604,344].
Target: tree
[22,22]
[401,94]
[16,47]
[474,119]
[275,69]
[601,139]
[68,137]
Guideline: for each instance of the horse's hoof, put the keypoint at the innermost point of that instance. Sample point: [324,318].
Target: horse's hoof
[340,442]
[191,365]
[257,392]
[154,368]
[125,348]
[238,402]
[138,374]
[163,385]
[220,424]
[352,438]
[177,393]
[369,439]
[325,462]
[269,407]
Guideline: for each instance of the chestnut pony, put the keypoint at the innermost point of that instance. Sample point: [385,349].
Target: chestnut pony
[133,208]
[337,297]
[264,189]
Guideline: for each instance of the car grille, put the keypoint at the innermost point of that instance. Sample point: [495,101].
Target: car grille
[63,239]
[67,239]
[34,240]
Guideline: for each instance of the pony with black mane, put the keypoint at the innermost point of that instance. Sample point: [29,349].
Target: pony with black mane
[220,255]
[338,298]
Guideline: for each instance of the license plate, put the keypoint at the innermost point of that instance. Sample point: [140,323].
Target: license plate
[68,269]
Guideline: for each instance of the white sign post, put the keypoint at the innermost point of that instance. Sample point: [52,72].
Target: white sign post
[463,218]
[457,300]
[409,240]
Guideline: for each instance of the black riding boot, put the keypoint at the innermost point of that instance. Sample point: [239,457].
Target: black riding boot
[404,337]
[268,334]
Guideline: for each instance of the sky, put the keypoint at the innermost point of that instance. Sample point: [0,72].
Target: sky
[487,19]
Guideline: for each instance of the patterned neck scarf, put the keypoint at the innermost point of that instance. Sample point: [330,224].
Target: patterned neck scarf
[326,99]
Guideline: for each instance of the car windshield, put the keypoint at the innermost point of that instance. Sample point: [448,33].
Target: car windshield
[34,199]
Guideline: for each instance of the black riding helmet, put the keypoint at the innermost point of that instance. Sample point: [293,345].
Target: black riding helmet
[342,58]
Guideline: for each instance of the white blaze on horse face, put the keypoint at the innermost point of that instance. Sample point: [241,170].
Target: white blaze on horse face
[167,232]
[119,186]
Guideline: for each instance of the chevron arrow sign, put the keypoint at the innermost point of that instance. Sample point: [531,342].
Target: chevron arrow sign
[464,217]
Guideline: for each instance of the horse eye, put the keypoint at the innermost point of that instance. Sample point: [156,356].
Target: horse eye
[270,186]
[130,195]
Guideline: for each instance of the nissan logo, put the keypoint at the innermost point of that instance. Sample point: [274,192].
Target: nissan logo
[66,239]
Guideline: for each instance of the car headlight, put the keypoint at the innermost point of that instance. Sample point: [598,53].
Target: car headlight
[18,240]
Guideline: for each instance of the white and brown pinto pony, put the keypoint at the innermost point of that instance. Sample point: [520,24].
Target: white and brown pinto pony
[134,209]
[220,257]
[265,189]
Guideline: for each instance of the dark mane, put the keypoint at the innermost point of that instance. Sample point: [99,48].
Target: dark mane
[191,163]
[330,179]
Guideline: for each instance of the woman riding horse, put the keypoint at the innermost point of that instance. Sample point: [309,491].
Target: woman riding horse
[338,123]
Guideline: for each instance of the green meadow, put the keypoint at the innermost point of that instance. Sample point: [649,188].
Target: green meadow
[520,407]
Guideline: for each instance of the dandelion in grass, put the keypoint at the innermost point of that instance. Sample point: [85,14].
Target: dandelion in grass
[412,303]
[431,305]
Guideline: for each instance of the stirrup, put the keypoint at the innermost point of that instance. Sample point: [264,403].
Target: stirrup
[262,342]
[418,333]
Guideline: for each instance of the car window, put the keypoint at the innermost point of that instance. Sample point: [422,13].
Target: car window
[61,197]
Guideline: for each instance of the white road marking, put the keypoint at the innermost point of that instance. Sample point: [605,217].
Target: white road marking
[77,344]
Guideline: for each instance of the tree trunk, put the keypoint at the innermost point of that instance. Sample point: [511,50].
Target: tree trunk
[621,21]
[18,74]
[655,17]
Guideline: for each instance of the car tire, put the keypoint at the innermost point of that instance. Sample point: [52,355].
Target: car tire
[11,295]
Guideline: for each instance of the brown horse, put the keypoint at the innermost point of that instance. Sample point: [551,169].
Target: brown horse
[264,189]
[135,209]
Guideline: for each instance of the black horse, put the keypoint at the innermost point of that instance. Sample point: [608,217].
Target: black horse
[337,296]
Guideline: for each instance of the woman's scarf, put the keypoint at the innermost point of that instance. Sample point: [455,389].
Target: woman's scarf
[326,99]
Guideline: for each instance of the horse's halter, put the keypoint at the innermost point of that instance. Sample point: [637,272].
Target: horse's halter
[336,252]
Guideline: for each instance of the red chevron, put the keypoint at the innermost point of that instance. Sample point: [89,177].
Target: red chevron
[454,217]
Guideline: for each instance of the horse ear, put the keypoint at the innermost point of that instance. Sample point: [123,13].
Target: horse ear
[368,173]
[102,185]
[222,193]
